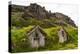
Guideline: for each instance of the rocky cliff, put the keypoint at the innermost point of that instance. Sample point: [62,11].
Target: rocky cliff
[35,11]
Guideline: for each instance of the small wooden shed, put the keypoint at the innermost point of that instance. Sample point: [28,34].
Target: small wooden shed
[62,34]
[37,37]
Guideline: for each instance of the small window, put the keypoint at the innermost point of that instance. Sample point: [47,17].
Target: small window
[36,37]
[63,33]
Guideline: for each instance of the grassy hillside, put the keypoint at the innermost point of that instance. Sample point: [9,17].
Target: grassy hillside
[20,26]
[21,18]
[20,39]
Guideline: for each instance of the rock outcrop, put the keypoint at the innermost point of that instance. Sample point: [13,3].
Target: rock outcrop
[36,11]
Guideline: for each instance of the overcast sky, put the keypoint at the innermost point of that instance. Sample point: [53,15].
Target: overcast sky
[70,10]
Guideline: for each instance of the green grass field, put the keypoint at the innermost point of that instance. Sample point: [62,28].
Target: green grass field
[20,39]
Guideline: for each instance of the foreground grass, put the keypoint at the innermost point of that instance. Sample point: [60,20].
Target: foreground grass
[20,39]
